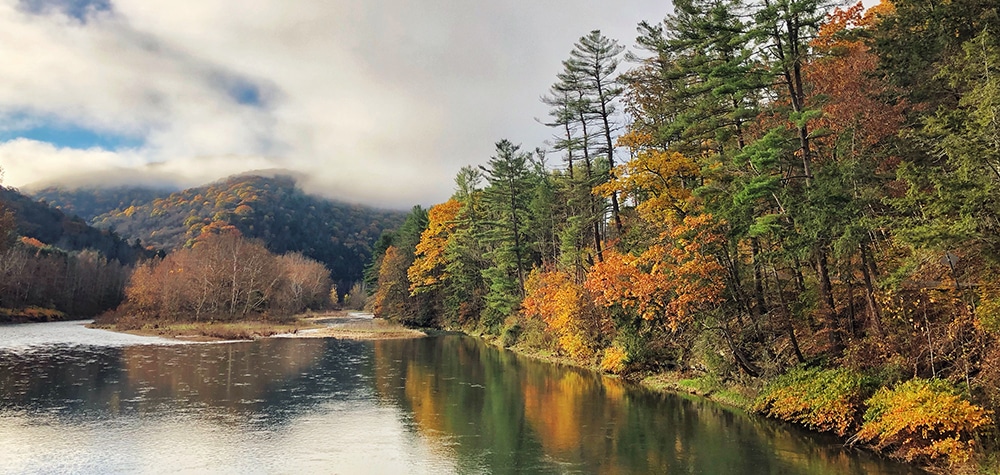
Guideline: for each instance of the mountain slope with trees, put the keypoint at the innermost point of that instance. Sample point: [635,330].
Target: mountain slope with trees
[271,209]
[90,202]
[55,266]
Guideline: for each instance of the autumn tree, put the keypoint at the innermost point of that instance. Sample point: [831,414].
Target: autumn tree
[392,299]
[225,277]
[428,269]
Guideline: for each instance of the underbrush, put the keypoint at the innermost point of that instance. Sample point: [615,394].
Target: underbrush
[928,421]
[924,420]
[826,400]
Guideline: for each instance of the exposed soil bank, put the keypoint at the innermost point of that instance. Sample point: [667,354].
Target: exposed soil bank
[353,326]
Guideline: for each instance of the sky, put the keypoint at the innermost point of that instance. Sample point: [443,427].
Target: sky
[377,102]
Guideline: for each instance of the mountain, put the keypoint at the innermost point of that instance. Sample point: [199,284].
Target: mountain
[51,226]
[90,202]
[270,208]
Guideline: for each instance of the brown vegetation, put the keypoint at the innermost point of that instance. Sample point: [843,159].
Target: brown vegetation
[222,278]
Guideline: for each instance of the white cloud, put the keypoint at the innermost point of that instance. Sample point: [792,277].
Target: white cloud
[376,101]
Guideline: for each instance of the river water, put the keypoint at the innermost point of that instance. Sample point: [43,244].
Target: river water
[74,400]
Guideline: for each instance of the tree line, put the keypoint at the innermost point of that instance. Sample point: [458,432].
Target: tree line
[56,267]
[272,209]
[773,192]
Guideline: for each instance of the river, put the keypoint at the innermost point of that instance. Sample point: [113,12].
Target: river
[75,400]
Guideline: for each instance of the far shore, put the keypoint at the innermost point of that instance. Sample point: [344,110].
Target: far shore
[340,324]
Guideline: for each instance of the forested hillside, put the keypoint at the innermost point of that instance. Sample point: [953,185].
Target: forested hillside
[273,210]
[56,266]
[797,200]
[50,226]
[90,202]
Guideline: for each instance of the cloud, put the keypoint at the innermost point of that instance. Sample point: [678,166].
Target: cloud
[380,102]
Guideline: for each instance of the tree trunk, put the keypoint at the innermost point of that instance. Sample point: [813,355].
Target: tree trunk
[870,291]
[826,295]
[758,281]
[789,327]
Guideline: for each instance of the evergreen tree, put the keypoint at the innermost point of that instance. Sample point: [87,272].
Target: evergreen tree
[506,206]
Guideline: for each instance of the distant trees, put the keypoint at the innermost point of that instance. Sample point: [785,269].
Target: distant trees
[78,284]
[7,225]
[225,277]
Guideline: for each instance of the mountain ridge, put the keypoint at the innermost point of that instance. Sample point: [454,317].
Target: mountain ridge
[273,209]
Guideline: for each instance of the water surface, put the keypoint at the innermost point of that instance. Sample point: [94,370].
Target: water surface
[436,405]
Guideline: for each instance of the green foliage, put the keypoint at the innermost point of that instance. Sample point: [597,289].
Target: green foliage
[825,400]
[89,203]
[506,208]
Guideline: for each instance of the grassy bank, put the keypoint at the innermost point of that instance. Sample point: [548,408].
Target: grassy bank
[212,331]
[31,315]
[334,324]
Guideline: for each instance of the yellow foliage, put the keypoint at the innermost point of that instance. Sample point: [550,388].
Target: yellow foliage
[923,419]
[658,180]
[614,360]
[824,400]
[566,308]
[427,269]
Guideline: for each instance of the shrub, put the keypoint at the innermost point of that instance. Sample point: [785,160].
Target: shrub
[510,334]
[824,400]
[922,418]
[614,360]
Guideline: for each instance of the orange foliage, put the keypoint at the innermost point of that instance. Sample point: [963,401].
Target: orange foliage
[671,280]
[844,76]
[427,269]
[30,241]
[567,309]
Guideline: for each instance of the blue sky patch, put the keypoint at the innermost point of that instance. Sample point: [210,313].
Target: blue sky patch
[246,94]
[78,9]
[69,136]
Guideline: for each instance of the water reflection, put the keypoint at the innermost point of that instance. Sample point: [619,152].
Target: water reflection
[492,410]
[435,405]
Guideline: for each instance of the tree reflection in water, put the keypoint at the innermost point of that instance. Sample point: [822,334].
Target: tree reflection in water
[433,405]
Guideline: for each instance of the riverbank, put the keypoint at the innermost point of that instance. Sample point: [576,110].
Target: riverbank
[728,393]
[334,324]
[31,315]
[347,325]
[736,396]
